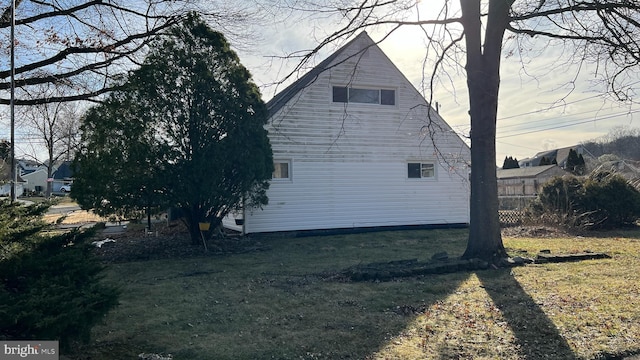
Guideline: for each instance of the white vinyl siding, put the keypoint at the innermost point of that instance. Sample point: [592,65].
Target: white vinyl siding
[350,195]
[351,158]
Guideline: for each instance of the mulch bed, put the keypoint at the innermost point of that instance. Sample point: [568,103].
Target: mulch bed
[534,232]
[168,241]
[171,241]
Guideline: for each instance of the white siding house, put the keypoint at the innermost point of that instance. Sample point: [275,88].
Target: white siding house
[355,145]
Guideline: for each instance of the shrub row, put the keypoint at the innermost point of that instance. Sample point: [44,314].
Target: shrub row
[600,201]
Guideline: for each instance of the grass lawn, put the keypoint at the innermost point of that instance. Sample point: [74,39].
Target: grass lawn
[284,303]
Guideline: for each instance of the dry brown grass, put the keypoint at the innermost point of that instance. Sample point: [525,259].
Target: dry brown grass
[74,218]
[282,304]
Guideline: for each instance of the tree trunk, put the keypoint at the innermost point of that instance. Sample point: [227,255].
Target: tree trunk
[194,232]
[50,166]
[192,218]
[483,81]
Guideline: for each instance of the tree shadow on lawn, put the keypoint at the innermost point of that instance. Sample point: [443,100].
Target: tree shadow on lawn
[274,317]
[536,335]
[340,320]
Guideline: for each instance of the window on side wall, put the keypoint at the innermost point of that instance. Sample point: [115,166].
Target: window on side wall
[281,170]
[421,170]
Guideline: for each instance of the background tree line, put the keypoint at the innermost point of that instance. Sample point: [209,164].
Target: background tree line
[623,142]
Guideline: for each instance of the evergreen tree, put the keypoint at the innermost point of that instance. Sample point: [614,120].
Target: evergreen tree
[187,130]
[5,149]
[510,163]
[575,163]
[544,161]
[50,286]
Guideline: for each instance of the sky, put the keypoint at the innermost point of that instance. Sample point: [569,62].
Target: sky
[542,104]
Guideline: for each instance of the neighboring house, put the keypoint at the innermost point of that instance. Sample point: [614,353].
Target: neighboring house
[26,166]
[5,181]
[352,146]
[36,180]
[526,181]
[62,176]
[555,156]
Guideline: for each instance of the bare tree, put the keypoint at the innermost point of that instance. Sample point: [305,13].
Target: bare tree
[83,46]
[475,36]
[55,126]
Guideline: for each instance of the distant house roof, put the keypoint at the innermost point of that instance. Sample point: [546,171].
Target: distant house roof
[526,172]
[283,97]
[560,155]
[64,171]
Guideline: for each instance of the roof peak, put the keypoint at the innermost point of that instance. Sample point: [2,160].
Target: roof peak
[283,97]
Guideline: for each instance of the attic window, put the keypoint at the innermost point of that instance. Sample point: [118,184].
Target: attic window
[344,94]
[420,170]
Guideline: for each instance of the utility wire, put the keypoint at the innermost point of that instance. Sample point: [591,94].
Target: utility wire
[557,122]
[579,122]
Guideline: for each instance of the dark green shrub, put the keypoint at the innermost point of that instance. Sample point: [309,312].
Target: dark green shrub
[610,200]
[50,286]
[603,200]
[560,194]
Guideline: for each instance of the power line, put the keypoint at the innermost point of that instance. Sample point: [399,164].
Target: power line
[549,108]
[561,121]
[559,105]
[579,122]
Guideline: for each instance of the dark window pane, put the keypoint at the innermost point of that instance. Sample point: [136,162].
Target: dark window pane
[387,97]
[339,94]
[413,170]
[366,96]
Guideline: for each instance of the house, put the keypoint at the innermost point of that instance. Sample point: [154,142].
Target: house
[62,176]
[353,146]
[527,181]
[5,180]
[555,156]
[26,166]
[36,181]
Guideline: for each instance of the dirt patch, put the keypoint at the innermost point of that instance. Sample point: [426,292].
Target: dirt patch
[74,217]
[168,241]
[534,232]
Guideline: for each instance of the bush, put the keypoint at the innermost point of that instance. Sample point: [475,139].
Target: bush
[50,286]
[611,201]
[603,200]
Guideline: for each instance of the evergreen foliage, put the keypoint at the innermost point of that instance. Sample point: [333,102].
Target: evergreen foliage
[185,130]
[510,163]
[544,161]
[575,163]
[50,286]
[5,149]
[601,201]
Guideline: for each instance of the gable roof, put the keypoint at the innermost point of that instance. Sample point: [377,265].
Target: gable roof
[64,171]
[526,172]
[283,97]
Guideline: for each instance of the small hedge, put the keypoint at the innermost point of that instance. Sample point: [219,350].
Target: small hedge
[50,286]
[601,201]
